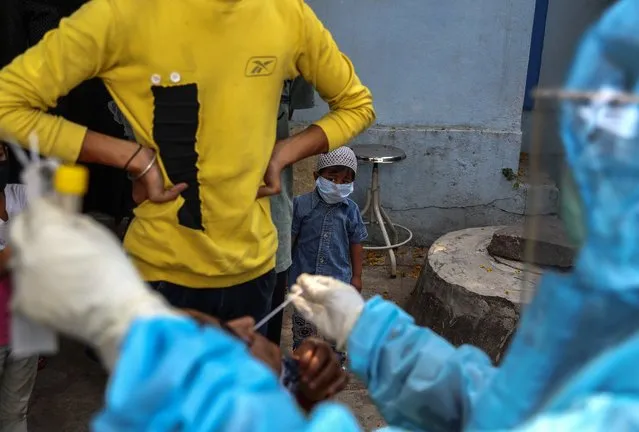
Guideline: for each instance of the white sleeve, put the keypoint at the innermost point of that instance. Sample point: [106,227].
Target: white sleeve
[15,202]
[16,198]
[4,234]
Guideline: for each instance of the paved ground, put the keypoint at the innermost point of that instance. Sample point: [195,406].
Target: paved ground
[70,389]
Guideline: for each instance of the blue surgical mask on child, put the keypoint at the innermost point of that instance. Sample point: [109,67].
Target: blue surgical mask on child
[331,192]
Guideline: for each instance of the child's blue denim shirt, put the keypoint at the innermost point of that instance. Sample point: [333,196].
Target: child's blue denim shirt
[323,234]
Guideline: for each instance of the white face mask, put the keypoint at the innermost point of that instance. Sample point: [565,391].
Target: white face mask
[331,192]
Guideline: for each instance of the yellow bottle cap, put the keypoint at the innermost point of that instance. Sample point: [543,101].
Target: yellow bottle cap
[71,180]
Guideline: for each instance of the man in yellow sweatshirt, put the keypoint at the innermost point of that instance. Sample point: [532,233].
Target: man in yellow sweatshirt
[200,83]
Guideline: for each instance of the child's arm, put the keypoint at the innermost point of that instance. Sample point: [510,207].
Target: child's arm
[356,236]
[357,260]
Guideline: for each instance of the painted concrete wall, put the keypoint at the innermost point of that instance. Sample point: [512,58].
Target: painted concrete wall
[448,80]
[567,21]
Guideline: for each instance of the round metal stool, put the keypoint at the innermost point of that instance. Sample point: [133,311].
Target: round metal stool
[381,154]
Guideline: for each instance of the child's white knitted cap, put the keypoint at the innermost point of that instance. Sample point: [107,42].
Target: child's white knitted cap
[343,156]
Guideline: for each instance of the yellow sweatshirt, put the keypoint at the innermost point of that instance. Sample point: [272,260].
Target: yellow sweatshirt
[199,81]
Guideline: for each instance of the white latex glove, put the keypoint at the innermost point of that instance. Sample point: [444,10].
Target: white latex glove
[333,306]
[72,275]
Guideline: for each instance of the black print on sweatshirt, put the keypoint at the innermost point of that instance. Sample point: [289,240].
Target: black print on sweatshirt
[175,125]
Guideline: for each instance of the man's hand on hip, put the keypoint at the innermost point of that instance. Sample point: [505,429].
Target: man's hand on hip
[141,163]
[272,179]
[151,186]
[311,141]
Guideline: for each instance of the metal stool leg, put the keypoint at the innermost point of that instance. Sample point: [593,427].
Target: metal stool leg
[367,207]
[390,224]
[377,209]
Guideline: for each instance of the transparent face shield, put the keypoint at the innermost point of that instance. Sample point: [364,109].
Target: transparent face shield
[546,244]
[581,175]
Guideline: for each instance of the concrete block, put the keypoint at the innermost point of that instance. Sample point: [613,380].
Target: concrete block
[550,245]
[468,296]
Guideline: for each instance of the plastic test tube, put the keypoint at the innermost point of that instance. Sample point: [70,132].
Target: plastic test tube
[71,183]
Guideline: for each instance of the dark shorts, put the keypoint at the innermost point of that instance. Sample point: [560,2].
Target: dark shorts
[252,298]
[274,333]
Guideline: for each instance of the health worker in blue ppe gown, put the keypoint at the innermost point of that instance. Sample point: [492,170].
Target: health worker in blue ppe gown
[572,364]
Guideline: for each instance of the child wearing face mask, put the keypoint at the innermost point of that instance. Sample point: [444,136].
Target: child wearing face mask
[17,375]
[328,231]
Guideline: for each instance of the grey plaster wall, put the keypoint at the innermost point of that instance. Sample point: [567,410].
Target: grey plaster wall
[448,80]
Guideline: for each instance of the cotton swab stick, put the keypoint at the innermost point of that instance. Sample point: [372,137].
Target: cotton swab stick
[267,318]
